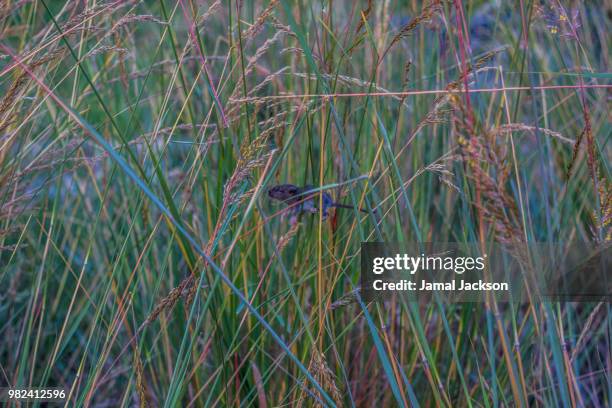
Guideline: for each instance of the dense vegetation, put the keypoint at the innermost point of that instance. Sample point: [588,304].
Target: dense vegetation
[142,262]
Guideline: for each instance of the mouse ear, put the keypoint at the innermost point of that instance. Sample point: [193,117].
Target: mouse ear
[291,189]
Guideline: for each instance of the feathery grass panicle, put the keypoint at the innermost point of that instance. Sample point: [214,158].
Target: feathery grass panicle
[11,98]
[261,19]
[141,388]
[253,156]
[325,377]
[428,13]
[490,168]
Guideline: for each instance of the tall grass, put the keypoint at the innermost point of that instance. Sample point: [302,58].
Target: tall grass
[142,263]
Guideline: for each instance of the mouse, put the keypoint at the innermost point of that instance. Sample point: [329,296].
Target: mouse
[300,200]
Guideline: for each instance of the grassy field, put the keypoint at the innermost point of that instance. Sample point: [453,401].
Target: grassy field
[142,262]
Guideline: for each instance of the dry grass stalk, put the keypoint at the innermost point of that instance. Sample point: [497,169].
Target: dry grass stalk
[141,387]
[80,22]
[54,157]
[601,184]
[353,82]
[603,220]
[12,96]
[590,146]
[261,393]
[405,81]
[438,112]
[106,49]
[575,152]
[489,166]
[18,204]
[232,112]
[6,8]
[429,11]
[346,299]
[586,332]
[248,35]
[521,127]
[268,79]
[132,18]
[363,16]
[259,22]
[212,9]
[170,300]
[18,195]
[286,238]
[252,156]
[79,19]
[324,376]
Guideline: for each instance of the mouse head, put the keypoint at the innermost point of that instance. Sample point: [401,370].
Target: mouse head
[283,192]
